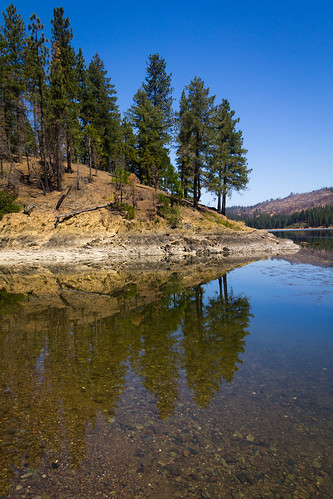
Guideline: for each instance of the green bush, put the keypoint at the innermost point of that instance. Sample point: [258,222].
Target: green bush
[170,213]
[127,209]
[7,204]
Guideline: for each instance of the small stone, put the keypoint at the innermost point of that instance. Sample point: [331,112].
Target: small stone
[19,487]
[186,452]
[205,494]
[250,438]
[31,471]
[147,438]
[237,434]
[196,477]
[243,477]
[173,469]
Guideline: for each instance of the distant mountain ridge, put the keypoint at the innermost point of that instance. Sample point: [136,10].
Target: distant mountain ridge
[288,205]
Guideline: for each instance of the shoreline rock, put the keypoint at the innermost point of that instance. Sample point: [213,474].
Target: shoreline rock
[146,245]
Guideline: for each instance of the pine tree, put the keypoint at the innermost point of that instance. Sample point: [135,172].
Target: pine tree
[126,151]
[227,167]
[159,91]
[63,92]
[35,64]
[82,98]
[151,116]
[100,109]
[12,80]
[147,119]
[194,134]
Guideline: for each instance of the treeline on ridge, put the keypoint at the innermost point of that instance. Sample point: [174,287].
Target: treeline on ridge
[57,108]
[320,216]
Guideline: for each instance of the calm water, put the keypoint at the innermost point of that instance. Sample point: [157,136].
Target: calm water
[169,383]
[320,239]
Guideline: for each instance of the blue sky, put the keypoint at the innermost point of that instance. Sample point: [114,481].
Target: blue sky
[272,60]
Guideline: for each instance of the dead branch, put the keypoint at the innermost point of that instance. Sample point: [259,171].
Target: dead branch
[61,199]
[67,216]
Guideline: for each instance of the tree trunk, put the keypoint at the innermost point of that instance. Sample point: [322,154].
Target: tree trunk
[90,158]
[195,183]
[19,135]
[58,165]
[69,153]
[219,202]
[224,197]
[35,130]
[42,145]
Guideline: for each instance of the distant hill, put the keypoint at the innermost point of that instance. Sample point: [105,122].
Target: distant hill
[288,205]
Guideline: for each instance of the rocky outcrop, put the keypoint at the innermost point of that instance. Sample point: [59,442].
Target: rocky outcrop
[106,236]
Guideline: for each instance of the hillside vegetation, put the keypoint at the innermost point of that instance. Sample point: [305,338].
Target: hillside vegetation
[312,209]
[289,204]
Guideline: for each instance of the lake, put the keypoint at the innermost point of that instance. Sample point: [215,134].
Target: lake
[203,380]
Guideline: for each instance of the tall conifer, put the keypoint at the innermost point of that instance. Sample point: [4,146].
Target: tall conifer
[63,91]
[101,109]
[227,167]
[12,79]
[194,120]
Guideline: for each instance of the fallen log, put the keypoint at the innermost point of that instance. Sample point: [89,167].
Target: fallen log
[66,216]
[59,203]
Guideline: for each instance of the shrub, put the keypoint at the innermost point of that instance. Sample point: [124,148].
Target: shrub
[7,204]
[127,209]
[170,213]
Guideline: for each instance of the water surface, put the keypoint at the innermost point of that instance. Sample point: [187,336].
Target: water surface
[171,383]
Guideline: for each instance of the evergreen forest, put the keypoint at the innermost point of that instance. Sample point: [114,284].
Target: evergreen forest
[319,216]
[62,109]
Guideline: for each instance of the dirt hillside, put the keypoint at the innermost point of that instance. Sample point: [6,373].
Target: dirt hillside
[289,204]
[50,223]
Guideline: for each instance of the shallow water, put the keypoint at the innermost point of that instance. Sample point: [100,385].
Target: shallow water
[217,388]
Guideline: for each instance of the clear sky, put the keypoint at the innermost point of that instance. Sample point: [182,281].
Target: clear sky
[273,61]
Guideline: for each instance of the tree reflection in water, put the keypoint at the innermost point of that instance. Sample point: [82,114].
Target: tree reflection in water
[58,375]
